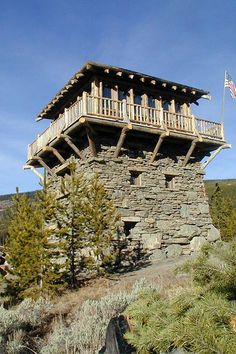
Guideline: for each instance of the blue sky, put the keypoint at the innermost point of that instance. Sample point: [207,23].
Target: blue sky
[43,43]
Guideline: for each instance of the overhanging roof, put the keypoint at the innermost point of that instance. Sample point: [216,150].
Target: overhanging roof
[92,68]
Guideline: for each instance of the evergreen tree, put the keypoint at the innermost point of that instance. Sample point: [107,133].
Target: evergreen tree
[101,225]
[28,251]
[223,214]
[88,223]
[71,221]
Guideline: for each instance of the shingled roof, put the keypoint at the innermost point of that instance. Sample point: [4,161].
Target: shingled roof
[92,68]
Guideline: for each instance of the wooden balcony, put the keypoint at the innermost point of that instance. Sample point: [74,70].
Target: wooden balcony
[121,111]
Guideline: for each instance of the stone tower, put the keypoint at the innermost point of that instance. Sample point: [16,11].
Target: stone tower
[139,134]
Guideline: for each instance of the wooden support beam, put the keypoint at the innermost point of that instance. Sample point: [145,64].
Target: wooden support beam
[69,141]
[91,139]
[158,145]
[43,164]
[190,151]
[55,152]
[121,140]
[215,153]
[32,168]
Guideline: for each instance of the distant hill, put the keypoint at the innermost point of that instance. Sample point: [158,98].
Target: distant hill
[228,187]
[6,201]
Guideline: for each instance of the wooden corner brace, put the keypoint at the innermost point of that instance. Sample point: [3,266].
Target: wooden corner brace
[122,137]
[55,152]
[215,153]
[191,149]
[69,141]
[33,169]
[158,145]
[43,164]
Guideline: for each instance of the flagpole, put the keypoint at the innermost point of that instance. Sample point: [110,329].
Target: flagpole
[223,102]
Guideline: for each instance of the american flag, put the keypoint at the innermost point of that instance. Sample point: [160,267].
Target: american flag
[231,85]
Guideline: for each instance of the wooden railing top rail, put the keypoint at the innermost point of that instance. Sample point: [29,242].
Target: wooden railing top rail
[121,110]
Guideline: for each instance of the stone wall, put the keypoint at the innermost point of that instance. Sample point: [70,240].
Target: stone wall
[167,209]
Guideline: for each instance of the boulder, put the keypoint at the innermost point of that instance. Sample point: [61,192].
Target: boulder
[157,255]
[151,241]
[188,231]
[173,251]
[197,243]
[213,234]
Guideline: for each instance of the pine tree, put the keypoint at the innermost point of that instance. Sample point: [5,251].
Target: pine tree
[28,249]
[88,222]
[101,225]
[71,221]
[223,214]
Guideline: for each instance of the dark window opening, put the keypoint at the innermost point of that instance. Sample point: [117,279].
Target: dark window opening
[166,105]
[169,181]
[177,107]
[151,101]
[106,91]
[128,226]
[135,178]
[122,95]
[138,99]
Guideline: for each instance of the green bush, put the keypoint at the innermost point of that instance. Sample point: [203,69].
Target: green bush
[201,319]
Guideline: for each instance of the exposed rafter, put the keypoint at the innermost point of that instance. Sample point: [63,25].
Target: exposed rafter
[122,137]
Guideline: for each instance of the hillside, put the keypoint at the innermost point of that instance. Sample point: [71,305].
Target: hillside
[228,187]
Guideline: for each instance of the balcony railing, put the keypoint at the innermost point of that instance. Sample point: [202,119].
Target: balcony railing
[122,111]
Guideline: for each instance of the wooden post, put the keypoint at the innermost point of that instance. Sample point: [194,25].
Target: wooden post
[194,129]
[162,124]
[121,140]
[91,139]
[84,99]
[124,111]
[158,145]
[66,117]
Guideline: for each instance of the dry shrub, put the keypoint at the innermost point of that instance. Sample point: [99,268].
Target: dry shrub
[85,333]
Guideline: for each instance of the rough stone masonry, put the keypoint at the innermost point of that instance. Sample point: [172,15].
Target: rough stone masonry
[163,204]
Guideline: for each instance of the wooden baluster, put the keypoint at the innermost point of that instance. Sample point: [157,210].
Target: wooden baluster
[85,102]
